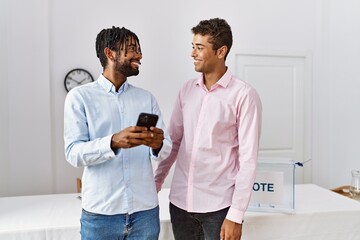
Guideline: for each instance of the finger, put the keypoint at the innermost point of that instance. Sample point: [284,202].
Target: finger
[138,129]
[157,130]
[159,135]
[153,144]
[142,135]
[222,234]
[132,142]
[157,138]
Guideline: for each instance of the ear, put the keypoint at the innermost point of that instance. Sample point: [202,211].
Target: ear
[221,52]
[109,54]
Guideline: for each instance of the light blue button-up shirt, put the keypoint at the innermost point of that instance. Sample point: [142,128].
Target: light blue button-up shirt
[112,182]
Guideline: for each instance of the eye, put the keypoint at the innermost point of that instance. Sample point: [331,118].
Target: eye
[197,48]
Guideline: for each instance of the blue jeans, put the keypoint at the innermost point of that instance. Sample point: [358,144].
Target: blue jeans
[144,225]
[196,226]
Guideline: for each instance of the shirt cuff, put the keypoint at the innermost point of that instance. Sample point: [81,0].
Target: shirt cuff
[163,153]
[155,152]
[235,215]
[105,147]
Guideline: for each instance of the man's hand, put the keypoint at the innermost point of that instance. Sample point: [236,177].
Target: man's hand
[155,142]
[135,136]
[230,230]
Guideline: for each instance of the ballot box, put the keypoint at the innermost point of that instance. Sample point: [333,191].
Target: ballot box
[274,187]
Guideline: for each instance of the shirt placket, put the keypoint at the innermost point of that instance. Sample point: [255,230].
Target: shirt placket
[125,156]
[193,158]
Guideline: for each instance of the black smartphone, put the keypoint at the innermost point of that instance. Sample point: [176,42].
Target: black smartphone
[147,120]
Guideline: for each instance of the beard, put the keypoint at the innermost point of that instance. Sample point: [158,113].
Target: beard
[126,69]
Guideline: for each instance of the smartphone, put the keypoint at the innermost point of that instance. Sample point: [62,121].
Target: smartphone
[147,120]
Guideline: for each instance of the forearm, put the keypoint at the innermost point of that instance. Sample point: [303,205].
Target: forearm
[80,153]
[163,167]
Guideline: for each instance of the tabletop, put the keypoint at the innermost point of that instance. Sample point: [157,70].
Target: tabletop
[319,214]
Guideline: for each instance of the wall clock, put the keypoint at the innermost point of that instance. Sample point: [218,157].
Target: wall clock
[77,77]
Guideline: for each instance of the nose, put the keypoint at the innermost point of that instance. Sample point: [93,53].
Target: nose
[138,54]
[193,53]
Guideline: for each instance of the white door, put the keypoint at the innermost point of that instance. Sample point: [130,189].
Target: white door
[283,83]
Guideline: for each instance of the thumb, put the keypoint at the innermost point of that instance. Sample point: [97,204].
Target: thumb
[222,234]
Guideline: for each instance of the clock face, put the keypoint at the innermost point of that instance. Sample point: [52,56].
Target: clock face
[77,77]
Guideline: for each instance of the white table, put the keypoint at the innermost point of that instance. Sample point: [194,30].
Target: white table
[40,217]
[320,214]
[55,217]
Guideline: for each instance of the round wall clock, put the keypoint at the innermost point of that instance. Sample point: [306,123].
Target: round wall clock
[77,77]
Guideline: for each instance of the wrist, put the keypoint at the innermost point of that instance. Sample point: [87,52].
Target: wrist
[157,150]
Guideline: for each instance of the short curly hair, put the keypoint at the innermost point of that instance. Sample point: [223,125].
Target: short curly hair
[113,38]
[218,30]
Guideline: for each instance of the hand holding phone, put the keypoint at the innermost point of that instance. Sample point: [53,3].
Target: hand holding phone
[149,120]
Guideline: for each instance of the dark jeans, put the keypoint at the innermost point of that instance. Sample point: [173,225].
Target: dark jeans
[196,226]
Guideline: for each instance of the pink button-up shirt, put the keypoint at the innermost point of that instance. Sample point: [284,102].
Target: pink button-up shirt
[215,136]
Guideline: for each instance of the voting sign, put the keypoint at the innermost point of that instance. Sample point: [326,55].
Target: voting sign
[273,190]
[269,187]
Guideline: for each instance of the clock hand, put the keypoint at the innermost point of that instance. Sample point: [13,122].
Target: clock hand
[82,81]
[73,79]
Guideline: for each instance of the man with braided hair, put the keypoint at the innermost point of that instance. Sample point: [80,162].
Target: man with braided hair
[119,197]
[215,129]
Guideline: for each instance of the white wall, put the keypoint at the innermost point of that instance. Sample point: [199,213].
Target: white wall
[336,130]
[26,157]
[43,40]
[4,147]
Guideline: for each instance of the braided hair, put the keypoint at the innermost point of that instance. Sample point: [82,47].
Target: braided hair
[114,38]
[218,30]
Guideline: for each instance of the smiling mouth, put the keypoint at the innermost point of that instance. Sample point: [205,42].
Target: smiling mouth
[136,64]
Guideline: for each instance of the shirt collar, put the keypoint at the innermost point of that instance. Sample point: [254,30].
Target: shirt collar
[109,86]
[223,81]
